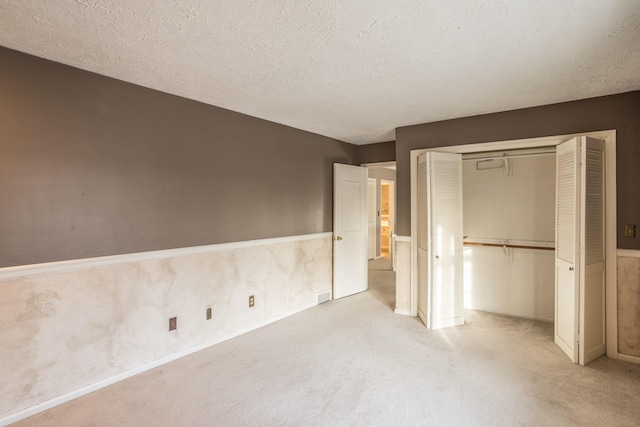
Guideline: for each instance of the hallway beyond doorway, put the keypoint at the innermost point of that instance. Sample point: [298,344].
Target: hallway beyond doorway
[382,281]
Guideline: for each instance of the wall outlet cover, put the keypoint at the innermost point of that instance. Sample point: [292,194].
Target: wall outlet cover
[629,230]
[173,323]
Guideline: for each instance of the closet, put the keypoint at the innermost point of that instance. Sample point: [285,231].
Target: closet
[508,232]
[518,232]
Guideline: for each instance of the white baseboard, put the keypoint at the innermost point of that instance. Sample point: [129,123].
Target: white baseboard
[403,312]
[628,358]
[135,371]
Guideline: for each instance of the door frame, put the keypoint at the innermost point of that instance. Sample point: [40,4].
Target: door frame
[372,203]
[388,165]
[609,137]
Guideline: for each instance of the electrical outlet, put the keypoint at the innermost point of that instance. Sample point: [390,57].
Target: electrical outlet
[209,313]
[173,324]
[252,301]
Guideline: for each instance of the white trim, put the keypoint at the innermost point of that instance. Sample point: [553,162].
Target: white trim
[611,245]
[413,256]
[403,312]
[628,253]
[379,164]
[138,370]
[376,221]
[77,264]
[609,136]
[406,239]
[628,358]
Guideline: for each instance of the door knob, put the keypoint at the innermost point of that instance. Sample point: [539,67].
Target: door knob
[437,256]
[570,268]
[337,238]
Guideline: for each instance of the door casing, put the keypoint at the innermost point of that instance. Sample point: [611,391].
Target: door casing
[372,208]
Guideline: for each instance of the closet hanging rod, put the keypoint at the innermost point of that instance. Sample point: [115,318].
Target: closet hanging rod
[507,245]
[509,154]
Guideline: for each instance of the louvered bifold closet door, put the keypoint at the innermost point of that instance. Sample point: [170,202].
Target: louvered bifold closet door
[592,263]
[444,176]
[422,241]
[580,249]
[566,227]
[567,234]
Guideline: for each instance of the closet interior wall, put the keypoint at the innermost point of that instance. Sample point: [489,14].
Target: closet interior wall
[510,203]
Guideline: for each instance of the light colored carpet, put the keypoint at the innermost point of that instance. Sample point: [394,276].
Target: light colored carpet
[354,362]
[381,264]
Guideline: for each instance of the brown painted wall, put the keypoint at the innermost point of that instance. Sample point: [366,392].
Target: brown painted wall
[93,166]
[620,112]
[376,153]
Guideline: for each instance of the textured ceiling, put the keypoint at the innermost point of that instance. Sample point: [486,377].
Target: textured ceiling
[352,70]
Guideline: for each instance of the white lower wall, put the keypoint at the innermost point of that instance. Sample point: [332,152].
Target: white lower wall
[403,275]
[628,301]
[69,325]
[523,287]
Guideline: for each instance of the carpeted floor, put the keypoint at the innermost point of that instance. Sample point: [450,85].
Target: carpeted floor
[380,264]
[354,362]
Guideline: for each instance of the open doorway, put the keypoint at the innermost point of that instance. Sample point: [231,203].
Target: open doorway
[387,192]
[382,276]
[504,252]
[381,205]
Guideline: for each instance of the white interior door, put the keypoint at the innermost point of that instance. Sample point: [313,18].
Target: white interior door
[580,249]
[372,216]
[440,251]
[349,230]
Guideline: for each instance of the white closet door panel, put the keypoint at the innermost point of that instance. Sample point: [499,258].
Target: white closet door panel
[592,323]
[446,199]
[580,251]
[423,242]
[423,287]
[567,233]
[592,264]
[444,212]
[594,201]
[566,325]
[567,161]
[423,237]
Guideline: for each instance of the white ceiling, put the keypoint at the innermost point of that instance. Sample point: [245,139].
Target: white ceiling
[352,70]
